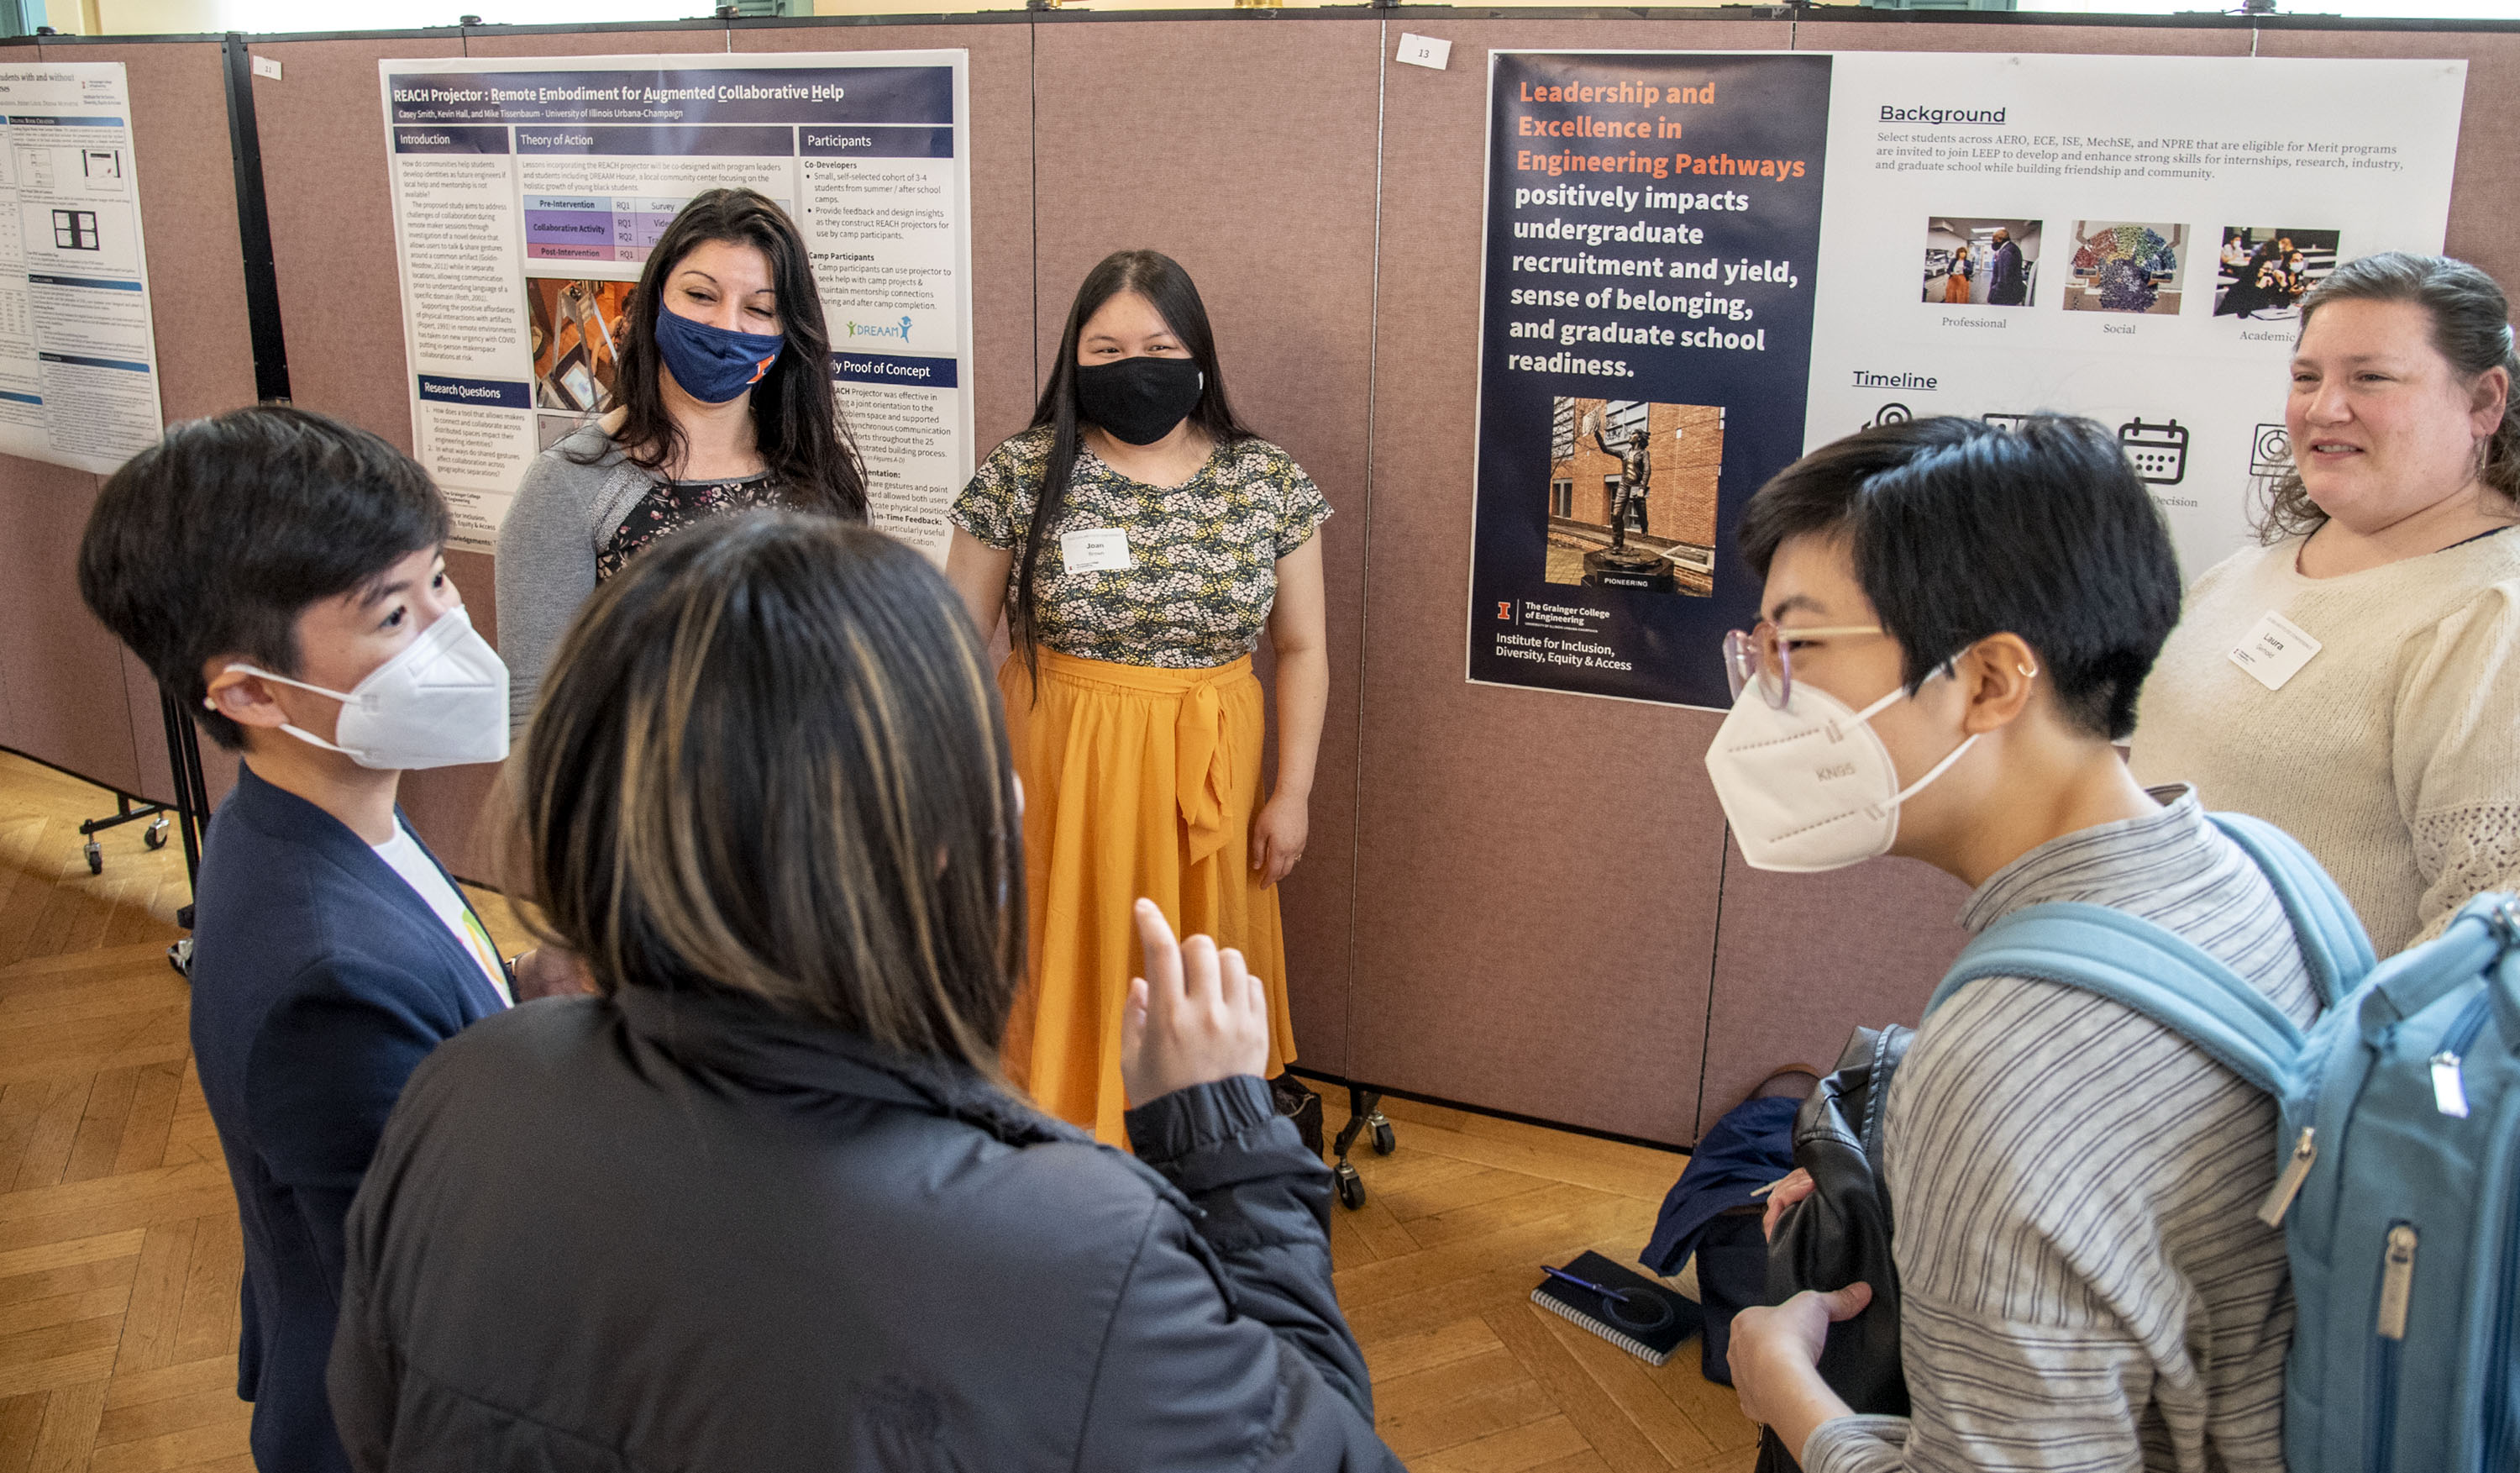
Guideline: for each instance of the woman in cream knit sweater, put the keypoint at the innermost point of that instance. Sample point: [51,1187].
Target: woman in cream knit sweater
[2392,749]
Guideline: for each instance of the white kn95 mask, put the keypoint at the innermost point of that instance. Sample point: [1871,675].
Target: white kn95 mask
[1809,786]
[440,702]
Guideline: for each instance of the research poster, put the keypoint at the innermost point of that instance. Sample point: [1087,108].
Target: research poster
[78,355]
[1700,265]
[528,191]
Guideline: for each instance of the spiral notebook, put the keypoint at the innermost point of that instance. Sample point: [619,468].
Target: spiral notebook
[1649,1321]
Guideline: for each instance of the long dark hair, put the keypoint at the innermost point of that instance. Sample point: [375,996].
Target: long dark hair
[795,415]
[1160,280]
[2472,328]
[771,760]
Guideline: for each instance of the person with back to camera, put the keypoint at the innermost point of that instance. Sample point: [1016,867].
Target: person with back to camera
[1139,540]
[727,406]
[282,577]
[2391,748]
[764,1203]
[2084,1280]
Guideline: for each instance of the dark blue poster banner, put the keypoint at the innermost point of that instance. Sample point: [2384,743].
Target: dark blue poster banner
[1652,227]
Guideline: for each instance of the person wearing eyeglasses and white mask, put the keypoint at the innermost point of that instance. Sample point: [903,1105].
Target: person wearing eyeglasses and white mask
[2355,679]
[1942,678]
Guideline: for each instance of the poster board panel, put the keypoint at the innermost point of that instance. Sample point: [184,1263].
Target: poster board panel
[196,265]
[2485,188]
[204,351]
[2101,40]
[332,235]
[1271,210]
[532,194]
[63,670]
[1802,960]
[1537,877]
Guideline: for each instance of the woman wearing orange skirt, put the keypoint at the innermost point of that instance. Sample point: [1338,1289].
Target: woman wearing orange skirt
[1139,540]
[1956,279]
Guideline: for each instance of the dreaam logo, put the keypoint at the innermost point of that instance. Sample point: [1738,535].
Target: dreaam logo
[1941,116]
[900,330]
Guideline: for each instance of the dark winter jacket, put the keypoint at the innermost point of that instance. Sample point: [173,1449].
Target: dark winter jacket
[666,1231]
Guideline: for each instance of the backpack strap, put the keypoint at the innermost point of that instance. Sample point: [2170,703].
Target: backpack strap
[2332,935]
[2141,966]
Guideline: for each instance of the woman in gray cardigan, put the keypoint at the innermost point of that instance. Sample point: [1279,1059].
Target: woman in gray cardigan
[725,406]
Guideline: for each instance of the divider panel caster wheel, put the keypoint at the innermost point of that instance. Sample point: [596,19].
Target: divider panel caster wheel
[95,858]
[154,836]
[1350,1186]
[1384,1142]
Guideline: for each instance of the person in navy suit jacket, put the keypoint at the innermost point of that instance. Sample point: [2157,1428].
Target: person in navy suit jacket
[283,575]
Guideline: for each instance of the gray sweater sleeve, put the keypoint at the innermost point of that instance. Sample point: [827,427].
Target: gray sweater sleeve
[545,566]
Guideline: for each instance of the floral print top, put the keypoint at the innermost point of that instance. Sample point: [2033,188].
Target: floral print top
[672,505]
[1203,555]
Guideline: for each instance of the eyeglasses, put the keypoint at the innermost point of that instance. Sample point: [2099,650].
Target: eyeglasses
[1763,653]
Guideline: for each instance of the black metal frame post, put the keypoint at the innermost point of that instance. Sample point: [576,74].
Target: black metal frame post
[192,792]
[254,230]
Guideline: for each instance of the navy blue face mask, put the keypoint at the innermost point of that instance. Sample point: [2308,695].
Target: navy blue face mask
[713,364]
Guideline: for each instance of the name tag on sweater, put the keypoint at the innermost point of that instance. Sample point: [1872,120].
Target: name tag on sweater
[2274,650]
[1103,549]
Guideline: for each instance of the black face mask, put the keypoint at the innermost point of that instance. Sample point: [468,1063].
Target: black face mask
[1140,400]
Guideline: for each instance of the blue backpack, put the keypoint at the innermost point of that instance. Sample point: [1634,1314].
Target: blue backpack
[2399,1150]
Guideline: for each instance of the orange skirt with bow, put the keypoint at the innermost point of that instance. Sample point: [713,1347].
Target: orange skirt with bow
[1137,781]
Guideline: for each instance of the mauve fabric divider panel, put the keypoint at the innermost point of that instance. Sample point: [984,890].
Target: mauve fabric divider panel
[64,671]
[79,700]
[187,212]
[323,137]
[2098,40]
[323,133]
[1177,136]
[1858,946]
[1537,875]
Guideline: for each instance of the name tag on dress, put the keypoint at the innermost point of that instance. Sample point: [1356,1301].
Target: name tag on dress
[1102,549]
[2274,650]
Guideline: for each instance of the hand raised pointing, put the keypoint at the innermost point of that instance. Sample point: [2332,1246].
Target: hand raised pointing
[1196,1016]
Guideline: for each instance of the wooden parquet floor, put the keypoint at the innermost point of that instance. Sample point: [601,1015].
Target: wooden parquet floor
[119,1252]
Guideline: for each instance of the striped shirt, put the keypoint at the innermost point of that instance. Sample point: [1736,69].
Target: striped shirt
[2083,1281]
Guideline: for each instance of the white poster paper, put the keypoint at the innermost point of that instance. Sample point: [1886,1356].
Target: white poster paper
[78,354]
[527,192]
[2164,213]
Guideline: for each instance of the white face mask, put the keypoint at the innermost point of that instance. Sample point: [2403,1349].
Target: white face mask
[1810,787]
[440,703]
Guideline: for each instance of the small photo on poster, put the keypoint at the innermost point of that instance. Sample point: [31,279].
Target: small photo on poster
[2268,270]
[575,325]
[2126,266]
[1981,263]
[1632,488]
